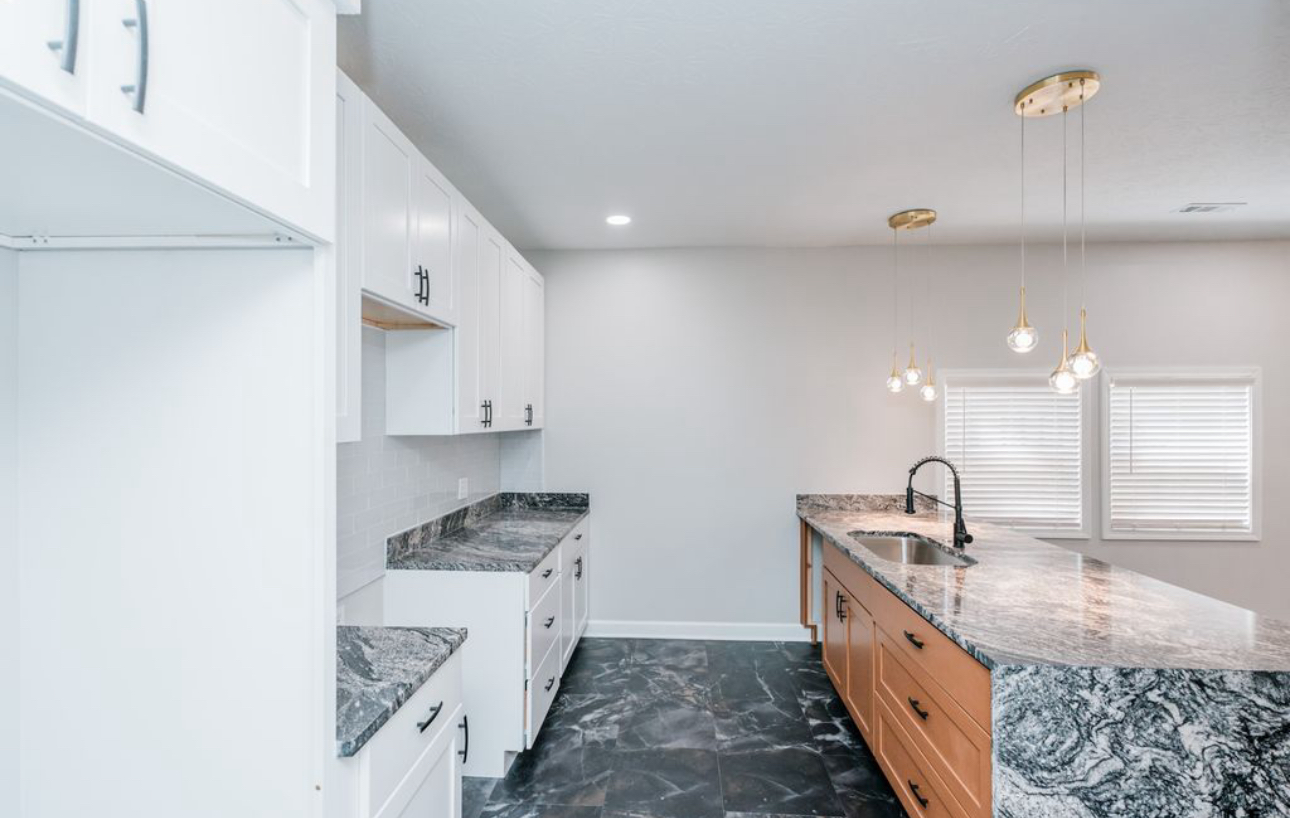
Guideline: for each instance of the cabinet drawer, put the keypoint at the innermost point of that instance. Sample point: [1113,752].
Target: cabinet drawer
[543,627]
[575,544]
[542,689]
[400,743]
[544,576]
[964,678]
[952,743]
[916,786]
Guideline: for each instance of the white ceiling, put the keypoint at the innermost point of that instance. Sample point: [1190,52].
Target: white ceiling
[807,122]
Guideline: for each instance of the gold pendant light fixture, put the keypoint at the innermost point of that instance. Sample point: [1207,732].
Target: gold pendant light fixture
[1057,95]
[907,220]
[1084,362]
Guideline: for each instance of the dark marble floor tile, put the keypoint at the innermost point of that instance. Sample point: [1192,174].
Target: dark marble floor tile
[668,723]
[760,723]
[861,786]
[539,811]
[566,766]
[666,784]
[831,726]
[790,781]
[597,715]
[474,795]
[599,665]
[691,657]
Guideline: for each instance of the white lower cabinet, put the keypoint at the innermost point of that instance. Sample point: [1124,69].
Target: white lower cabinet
[412,767]
[518,643]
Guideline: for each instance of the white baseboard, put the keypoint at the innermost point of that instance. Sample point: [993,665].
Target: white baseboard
[734,631]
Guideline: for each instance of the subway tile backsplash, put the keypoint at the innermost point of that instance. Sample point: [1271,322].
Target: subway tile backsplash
[390,484]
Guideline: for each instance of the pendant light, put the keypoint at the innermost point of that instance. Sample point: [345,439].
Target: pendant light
[1023,337]
[1083,361]
[895,383]
[1057,95]
[928,390]
[907,220]
[1062,379]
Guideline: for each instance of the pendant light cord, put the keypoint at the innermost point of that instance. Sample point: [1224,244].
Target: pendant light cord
[1023,195]
[1083,273]
[927,300]
[895,297]
[1065,287]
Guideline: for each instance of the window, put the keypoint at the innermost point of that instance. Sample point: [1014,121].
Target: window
[1021,450]
[1180,456]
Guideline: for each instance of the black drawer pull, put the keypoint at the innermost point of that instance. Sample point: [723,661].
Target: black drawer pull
[547,573]
[434,714]
[464,752]
[577,536]
[550,620]
[839,610]
[578,573]
[914,640]
[550,683]
[922,714]
[913,788]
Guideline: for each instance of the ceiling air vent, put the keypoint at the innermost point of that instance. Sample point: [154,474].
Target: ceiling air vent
[1210,207]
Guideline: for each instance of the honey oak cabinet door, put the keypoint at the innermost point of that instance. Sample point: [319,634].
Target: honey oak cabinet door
[859,691]
[835,617]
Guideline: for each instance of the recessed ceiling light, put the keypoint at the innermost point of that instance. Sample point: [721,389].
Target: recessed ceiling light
[619,221]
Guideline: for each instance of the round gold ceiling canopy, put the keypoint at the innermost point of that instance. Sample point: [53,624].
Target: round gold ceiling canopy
[1052,95]
[911,219]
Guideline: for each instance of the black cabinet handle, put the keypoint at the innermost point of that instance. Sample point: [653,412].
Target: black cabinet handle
[577,536]
[550,683]
[922,714]
[914,640]
[550,620]
[913,788]
[547,573]
[841,612]
[578,573]
[528,414]
[464,752]
[434,714]
[423,285]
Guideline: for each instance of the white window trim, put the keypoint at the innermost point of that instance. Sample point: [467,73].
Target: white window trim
[1181,375]
[1088,431]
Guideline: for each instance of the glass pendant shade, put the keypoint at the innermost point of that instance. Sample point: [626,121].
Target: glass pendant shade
[894,382]
[1084,361]
[928,390]
[1063,380]
[1023,337]
[913,375]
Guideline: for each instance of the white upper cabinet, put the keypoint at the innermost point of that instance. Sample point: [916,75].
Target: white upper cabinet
[41,50]
[407,231]
[432,249]
[510,413]
[535,346]
[234,94]
[347,257]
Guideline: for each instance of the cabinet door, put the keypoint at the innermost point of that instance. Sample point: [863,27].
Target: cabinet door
[568,592]
[388,171]
[861,641]
[42,53]
[835,631]
[492,255]
[581,593]
[432,246]
[509,412]
[237,93]
[468,245]
[439,793]
[347,258]
[535,348]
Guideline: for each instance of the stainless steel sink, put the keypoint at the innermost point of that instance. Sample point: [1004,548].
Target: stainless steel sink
[910,549]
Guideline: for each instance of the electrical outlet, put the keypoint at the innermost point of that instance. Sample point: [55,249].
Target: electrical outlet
[463,488]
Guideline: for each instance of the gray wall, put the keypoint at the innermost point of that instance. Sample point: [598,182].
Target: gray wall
[9,529]
[694,392]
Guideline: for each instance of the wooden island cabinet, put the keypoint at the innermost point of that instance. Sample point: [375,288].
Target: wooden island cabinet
[920,701]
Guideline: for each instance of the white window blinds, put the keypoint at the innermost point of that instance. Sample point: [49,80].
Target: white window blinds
[1180,457]
[1019,447]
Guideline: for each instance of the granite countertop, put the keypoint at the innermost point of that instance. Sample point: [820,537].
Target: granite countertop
[1030,602]
[377,671]
[506,532]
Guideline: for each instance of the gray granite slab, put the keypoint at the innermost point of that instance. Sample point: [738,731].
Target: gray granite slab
[1112,693]
[510,532]
[377,671]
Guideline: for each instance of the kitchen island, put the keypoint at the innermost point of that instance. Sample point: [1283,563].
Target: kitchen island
[1109,693]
